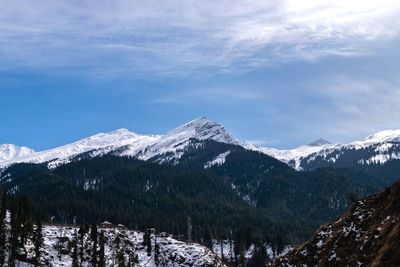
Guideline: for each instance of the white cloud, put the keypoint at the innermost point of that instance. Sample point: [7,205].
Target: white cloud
[173,37]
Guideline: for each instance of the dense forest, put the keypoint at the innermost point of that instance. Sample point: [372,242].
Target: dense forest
[144,195]
[19,222]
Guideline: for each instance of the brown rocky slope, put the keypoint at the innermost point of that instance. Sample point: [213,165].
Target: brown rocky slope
[367,235]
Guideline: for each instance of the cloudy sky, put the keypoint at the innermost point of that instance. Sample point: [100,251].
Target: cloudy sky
[276,73]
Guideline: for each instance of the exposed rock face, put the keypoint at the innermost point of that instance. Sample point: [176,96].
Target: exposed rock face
[368,235]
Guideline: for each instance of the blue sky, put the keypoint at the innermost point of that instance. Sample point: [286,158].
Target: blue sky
[276,73]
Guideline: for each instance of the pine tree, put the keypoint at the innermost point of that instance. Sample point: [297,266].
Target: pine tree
[3,229]
[81,232]
[38,241]
[93,237]
[121,258]
[102,262]
[15,231]
[156,251]
[75,261]
[147,241]
[189,230]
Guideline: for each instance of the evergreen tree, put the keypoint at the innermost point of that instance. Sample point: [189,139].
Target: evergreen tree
[102,262]
[75,261]
[15,231]
[189,230]
[156,251]
[3,229]
[82,231]
[93,237]
[121,258]
[147,241]
[38,241]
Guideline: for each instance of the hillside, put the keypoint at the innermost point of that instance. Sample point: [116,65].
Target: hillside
[121,247]
[141,194]
[368,235]
[312,197]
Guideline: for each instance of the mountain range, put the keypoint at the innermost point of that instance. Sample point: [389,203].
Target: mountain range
[229,188]
[377,149]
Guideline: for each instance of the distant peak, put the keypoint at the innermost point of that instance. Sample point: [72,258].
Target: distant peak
[196,124]
[201,121]
[120,131]
[4,147]
[319,142]
[10,151]
[203,129]
[387,135]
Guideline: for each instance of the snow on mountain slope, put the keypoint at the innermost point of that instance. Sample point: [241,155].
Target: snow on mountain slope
[121,245]
[168,148]
[377,148]
[218,160]
[10,152]
[294,156]
[97,144]
[173,144]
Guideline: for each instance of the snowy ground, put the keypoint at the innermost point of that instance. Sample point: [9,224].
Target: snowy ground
[227,250]
[57,249]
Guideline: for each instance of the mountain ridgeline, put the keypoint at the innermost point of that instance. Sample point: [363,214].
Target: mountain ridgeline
[228,188]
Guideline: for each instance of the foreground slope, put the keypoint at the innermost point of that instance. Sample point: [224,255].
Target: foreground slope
[121,245]
[368,235]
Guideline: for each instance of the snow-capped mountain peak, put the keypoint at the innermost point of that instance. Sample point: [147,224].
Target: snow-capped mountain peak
[170,147]
[10,151]
[98,144]
[319,142]
[174,143]
[377,148]
[167,148]
[203,129]
[384,136]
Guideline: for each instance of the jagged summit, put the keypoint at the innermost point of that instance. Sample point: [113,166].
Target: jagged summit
[319,142]
[203,129]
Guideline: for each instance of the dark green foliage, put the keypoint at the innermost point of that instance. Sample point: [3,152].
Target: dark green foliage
[121,259]
[156,252]
[308,198]
[147,241]
[3,239]
[38,241]
[93,237]
[102,262]
[83,229]
[21,228]
[259,257]
[75,260]
[140,195]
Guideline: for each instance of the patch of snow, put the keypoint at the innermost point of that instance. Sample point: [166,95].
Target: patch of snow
[218,160]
